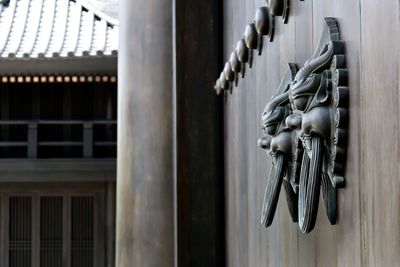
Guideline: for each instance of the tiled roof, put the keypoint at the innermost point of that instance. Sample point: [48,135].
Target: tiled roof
[40,29]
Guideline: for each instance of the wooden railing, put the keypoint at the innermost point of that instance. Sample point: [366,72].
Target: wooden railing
[32,143]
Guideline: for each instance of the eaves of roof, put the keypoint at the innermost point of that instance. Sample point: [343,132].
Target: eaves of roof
[58,35]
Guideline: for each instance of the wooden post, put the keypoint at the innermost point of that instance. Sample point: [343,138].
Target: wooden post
[88,140]
[32,140]
[145,210]
[199,144]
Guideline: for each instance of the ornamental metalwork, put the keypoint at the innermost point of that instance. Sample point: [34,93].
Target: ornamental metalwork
[279,8]
[308,120]
[280,141]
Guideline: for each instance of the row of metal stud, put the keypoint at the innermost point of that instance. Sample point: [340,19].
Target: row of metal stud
[262,25]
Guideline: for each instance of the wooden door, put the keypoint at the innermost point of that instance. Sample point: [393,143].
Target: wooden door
[368,229]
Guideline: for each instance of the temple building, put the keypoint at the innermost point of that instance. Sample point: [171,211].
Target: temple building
[58,97]
[206,133]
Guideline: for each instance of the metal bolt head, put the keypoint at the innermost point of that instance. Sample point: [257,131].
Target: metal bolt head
[229,75]
[217,87]
[261,21]
[250,36]
[276,7]
[234,62]
[242,51]
[223,82]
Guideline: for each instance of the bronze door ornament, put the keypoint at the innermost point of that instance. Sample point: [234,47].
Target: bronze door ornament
[318,96]
[305,126]
[280,141]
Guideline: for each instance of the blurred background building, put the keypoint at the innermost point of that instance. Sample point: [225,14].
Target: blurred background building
[58,98]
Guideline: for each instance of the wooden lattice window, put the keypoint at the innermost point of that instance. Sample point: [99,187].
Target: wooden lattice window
[51,231]
[43,230]
[82,231]
[20,231]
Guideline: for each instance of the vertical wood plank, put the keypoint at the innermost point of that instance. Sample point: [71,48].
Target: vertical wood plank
[242,179]
[348,230]
[288,230]
[380,127]
[325,234]
[304,49]
[248,86]
[271,81]
[229,144]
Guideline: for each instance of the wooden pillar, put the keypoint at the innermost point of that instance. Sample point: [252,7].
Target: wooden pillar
[199,144]
[145,232]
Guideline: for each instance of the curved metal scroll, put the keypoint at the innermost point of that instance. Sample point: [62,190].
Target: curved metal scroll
[318,96]
[278,140]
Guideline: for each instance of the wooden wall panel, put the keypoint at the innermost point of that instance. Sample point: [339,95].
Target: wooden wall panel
[368,230]
[380,139]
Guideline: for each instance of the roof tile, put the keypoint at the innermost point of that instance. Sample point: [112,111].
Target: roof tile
[55,28]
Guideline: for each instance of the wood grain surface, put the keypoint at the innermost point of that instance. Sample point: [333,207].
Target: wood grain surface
[368,229]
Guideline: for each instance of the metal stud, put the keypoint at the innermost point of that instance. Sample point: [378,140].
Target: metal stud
[264,22]
[242,53]
[229,74]
[250,38]
[279,8]
[217,87]
[236,66]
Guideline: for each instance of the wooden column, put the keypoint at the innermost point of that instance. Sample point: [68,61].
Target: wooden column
[145,167]
[199,126]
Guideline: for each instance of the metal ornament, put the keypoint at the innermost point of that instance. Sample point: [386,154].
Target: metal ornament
[305,126]
[242,53]
[236,66]
[318,96]
[224,85]
[279,141]
[279,8]
[251,38]
[217,87]
[228,73]
[264,24]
